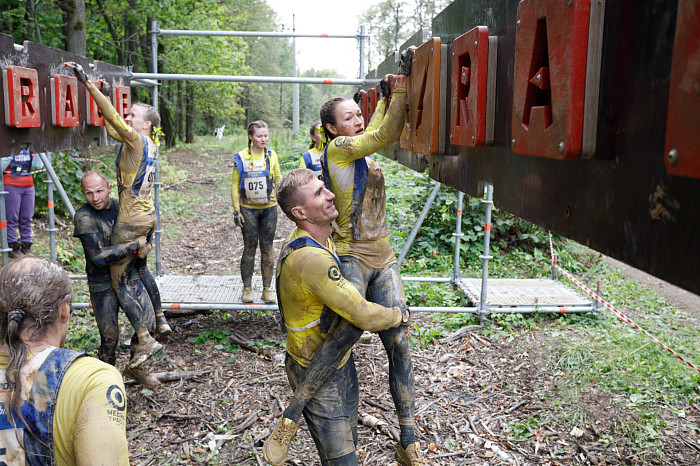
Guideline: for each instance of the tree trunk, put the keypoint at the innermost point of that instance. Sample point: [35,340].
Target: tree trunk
[189,116]
[180,112]
[131,33]
[165,114]
[30,19]
[74,26]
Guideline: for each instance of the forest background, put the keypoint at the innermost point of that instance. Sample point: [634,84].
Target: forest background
[116,31]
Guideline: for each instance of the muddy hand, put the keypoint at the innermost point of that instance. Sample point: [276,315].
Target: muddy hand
[144,250]
[238,219]
[406,61]
[78,70]
[384,87]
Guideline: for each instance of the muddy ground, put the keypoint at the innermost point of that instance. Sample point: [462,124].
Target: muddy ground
[468,391]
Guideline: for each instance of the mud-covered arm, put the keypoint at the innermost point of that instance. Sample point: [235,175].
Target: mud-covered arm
[99,254]
[235,194]
[377,116]
[345,149]
[119,129]
[322,277]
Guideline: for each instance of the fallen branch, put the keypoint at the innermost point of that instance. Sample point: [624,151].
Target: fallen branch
[174,375]
[457,334]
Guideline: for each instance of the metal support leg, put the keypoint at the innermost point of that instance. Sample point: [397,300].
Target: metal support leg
[155,30]
[52,224]
[419,222]
[458,240]
[483,306]
[57,183]
[3,224]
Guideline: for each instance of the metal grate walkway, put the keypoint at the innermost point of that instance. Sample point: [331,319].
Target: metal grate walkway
[509,293]
[210,289]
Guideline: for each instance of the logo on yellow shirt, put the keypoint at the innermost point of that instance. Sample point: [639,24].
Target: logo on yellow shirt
[334,273]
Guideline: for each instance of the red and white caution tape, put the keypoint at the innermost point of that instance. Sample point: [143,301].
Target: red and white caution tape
[615,311]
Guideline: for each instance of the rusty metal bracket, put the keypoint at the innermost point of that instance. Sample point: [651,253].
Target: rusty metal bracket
[682,150]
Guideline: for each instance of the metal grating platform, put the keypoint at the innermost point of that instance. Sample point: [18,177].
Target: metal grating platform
[517,292]
[205,289]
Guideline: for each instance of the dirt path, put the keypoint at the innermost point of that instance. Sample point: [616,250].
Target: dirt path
[478,401]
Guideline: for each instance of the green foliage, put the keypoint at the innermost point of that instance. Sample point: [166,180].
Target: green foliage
[216,339]
[69,172]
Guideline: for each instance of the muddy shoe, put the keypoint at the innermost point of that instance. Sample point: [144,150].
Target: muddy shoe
[247,295]
[411,456]
[163,330]
[143,351]
[16,252]
[276,446]
[268,296]
[142,377]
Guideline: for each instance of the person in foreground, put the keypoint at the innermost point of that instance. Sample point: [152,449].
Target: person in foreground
[56,406]
[366,258]
[309,281]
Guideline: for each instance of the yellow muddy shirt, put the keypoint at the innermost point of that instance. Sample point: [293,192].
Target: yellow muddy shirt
[254,160]
[311,159]
[309,279]
[136,202]
[367,236]
[89,423]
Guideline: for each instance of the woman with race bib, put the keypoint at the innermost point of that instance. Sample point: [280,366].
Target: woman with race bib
[311,159]
[255,171]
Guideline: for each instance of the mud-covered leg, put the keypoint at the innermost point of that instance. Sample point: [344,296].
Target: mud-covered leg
[268,225]
[132,295]
[163,330]
[323,364]
[106,307]
[387,289]
[251,234]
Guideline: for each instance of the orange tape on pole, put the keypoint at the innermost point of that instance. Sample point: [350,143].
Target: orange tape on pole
[459,212]
[3,225]
[50,204]
[487,227]
[327,81]
[175,306]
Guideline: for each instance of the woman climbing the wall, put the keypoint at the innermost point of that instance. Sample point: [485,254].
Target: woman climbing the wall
[255,171]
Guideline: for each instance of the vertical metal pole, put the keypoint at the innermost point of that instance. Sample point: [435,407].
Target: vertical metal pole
[46,158]
[458,239]
[156,191]
[295,86]
[419,222]
[3,223]
[362,52]
[483,306]
[52,225]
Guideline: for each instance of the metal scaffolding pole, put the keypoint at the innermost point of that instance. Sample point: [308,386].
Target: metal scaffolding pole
[156,190]
[184,32]
[52,219]
[252,79]
[295,86]
[458,239]
[3,223]
[412,236]
[483,305]
[57,183]
[362,52]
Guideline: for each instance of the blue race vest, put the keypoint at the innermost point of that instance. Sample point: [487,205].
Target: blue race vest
[21,164]
[38,411]
[146,174]
[255,185]
[309,161]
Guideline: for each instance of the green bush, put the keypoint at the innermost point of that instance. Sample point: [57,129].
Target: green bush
[69,172]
